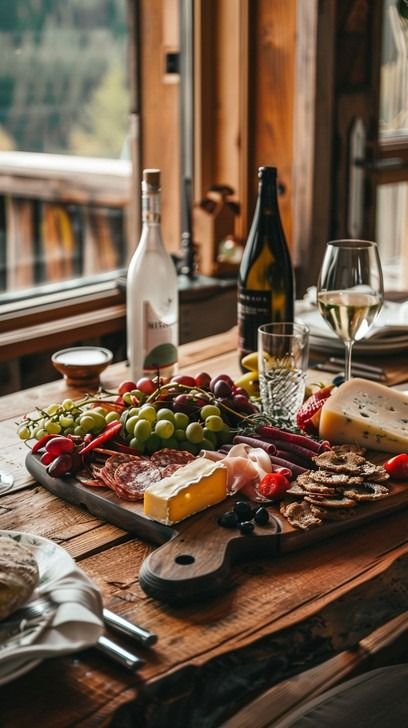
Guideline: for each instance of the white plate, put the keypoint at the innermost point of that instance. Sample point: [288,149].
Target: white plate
[390,333]
[23,645]
[328,344]
[17,668]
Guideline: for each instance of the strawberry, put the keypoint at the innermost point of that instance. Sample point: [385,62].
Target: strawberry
[308,416]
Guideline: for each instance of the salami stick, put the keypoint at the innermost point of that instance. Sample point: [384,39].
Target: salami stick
[295,469]
[269,447]
[272,433]
[291,447]
[295,458]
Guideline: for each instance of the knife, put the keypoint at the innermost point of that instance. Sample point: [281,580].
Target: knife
[119,654]
[366,374]
[120,624]
[358,365]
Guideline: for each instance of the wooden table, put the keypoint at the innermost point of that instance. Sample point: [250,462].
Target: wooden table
[277,617]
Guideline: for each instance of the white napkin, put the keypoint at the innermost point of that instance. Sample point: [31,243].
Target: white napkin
[74,622]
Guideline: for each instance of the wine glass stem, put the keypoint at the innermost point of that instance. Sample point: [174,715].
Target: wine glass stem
[347,367]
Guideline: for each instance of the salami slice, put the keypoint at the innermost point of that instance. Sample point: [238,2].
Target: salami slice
[111,465]
[170,469]
[85,478]
[168,456]
[132,478]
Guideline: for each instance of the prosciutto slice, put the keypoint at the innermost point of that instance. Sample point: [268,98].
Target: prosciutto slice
[246,466]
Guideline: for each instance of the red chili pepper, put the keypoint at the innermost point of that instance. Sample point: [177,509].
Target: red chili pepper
[397,467]
[110,432]
[273,485]
[40,443]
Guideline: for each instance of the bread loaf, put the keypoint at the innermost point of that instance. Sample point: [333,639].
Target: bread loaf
[18,575]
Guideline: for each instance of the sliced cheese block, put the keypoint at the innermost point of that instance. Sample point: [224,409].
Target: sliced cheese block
[190,489]
[366,413]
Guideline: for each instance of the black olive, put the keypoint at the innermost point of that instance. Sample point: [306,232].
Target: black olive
[229,519]
[243,510]
[261,516]
[246,527]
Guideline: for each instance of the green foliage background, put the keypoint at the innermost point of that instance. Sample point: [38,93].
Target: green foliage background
[63,76]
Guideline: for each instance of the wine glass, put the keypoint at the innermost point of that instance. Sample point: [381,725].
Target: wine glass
[350,290]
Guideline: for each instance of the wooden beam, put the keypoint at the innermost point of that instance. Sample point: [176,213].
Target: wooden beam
[221,100]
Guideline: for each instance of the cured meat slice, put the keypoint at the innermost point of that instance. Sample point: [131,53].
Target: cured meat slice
[90,477]
[170,469]
[108,471]
[90,482]
[168,456]
[132,478]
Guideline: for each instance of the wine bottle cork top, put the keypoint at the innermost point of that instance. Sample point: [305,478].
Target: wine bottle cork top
[151,177]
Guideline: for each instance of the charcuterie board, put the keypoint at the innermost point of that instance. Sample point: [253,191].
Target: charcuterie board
[195,556]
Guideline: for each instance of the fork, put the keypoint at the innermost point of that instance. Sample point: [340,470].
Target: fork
[42,607]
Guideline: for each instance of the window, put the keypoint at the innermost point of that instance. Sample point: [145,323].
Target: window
[64,141]
[392,198]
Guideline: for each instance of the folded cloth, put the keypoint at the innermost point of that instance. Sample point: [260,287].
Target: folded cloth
[72,618]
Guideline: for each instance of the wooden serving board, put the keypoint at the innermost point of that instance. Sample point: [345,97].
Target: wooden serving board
[195,556]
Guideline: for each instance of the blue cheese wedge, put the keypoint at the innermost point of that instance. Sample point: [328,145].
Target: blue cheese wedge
[192,488]
[368,414]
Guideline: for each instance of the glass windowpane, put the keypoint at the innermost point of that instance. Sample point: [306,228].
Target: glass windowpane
[392,233]
[394,70]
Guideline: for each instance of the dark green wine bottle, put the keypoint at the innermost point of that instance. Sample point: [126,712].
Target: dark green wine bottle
[266,290]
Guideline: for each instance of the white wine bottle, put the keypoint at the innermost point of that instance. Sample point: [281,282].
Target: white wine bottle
[151,293]
[265,281]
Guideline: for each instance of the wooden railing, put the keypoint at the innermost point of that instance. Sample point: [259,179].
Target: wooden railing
[61,218]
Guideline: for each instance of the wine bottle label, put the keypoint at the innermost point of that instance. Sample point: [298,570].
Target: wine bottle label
[254,309]
[160,336]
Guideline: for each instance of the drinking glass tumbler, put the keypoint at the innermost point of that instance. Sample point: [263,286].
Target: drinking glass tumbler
[283,357]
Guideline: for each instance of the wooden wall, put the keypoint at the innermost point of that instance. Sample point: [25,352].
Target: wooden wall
[244,93]
[159,106]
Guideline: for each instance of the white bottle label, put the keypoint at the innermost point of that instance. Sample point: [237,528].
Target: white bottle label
[159,345]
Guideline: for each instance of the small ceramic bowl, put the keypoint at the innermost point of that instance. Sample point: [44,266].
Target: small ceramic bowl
[82,365]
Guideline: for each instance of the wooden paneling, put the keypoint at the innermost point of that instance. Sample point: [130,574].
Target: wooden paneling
[273,81]
[244,95]
[358,25]
[222,29]
[160,138]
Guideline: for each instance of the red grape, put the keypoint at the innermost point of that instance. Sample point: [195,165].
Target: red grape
[221,378]
[202,380]
[242,404]
[184,403]
[240,390]
[126,386]
[222,388]
[145,385]
[184,379]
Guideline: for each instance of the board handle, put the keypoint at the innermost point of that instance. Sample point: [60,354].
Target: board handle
[196,563]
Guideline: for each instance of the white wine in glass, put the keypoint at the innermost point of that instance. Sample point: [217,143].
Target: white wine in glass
[350,290]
